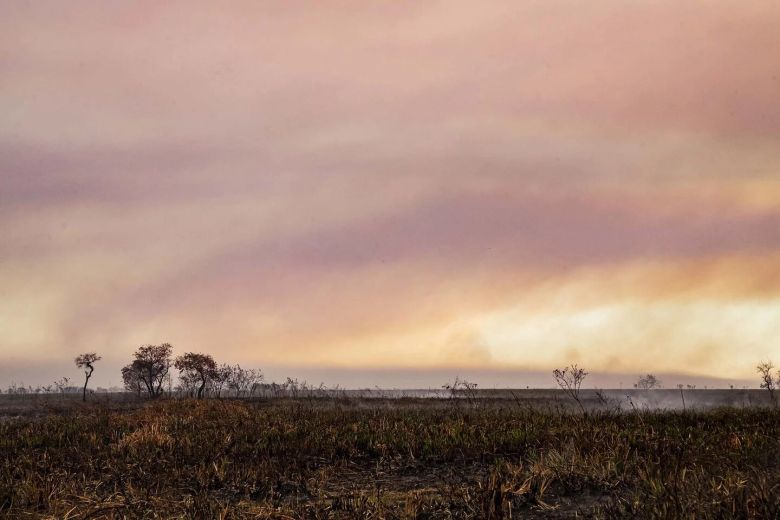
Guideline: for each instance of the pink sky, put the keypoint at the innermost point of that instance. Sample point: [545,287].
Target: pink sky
[390,186]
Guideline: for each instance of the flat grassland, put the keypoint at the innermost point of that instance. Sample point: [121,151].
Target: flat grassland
[387,458]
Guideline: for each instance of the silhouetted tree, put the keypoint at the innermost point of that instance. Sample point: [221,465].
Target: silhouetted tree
[87,361]
[245,380]
[648,382]
[151,366]
[62,384]
[220,378]
[195,367]
[131,380]
[767,379]
[188,384]
[462,388]
[570,380]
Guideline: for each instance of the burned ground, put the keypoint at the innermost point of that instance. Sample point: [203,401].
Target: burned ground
[407,458]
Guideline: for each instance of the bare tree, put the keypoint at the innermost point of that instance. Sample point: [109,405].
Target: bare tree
[767,379]
[648,382]
[197,368]
[570,380]
[151,366]
[256,379]
[244,381]
[86,361]
[462,388]
[188,384]
[292,386]
[61,385]
[220,378]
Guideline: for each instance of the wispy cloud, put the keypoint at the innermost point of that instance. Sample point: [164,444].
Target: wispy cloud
[363,185]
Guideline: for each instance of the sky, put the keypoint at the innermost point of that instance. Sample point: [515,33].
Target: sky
[392,188]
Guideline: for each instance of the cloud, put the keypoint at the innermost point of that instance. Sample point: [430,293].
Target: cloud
[352,183]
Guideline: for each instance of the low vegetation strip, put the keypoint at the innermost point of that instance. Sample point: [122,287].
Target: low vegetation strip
[353,459]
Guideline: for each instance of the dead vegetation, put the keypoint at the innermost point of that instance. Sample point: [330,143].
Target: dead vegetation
[340,458]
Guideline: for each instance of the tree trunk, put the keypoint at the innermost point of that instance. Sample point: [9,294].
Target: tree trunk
[86,381]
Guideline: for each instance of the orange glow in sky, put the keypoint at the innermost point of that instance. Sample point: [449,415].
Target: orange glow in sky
[367,185]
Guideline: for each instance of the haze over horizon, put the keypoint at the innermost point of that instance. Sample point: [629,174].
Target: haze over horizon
[370,188]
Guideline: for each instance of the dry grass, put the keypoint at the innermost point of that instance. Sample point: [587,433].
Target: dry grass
[346,459]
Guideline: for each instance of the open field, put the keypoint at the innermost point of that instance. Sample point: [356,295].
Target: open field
[39,405]
[386,458]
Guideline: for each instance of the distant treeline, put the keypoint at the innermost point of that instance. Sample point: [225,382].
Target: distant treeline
[199,375]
